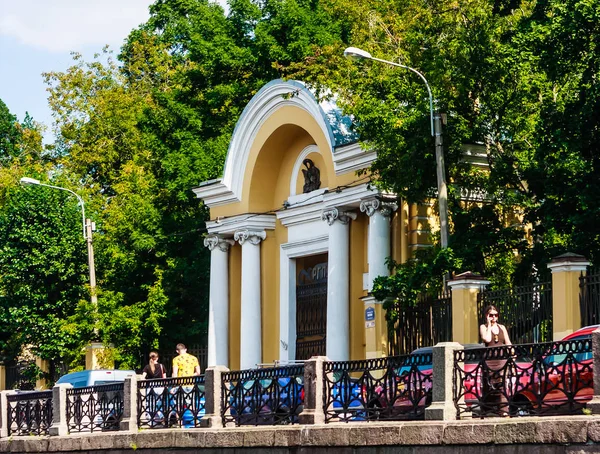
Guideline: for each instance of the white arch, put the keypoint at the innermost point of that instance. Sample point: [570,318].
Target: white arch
[272,97]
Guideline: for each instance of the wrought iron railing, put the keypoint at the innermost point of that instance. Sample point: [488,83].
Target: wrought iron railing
[392,388]
[589,298]
[263,396]
[525,310]
[425,324]
[307,349]
[171,402]
[522,380]
[95,408]
[29,413]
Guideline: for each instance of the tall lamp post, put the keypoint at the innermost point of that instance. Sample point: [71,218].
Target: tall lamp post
[436,131]
[91,360]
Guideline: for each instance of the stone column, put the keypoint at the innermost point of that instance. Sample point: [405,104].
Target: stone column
[213,397]
[4,412]
[442,406]
[566,313]
[129,422]
[465,322]
[313,412]
[218,308]
[60,423]
[338,284]
[379,236]
[378,250]
[251,330]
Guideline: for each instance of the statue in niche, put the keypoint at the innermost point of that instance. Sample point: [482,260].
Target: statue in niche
[312,176]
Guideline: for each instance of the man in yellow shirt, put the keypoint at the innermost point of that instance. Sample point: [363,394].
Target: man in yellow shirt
[185,365]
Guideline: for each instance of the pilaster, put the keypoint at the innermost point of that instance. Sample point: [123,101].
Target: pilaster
[566,312]
[465,322]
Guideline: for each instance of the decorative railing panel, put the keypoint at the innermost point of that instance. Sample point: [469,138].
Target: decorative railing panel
[520,380]
[263,396]
[171,402]
[95,408]
[29,413]
[526,310]
[423,325]
[392,388]
[589,298]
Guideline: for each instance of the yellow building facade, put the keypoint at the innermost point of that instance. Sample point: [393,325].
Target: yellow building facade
[297,236]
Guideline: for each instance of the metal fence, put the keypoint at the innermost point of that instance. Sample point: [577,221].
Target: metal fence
[525,310]
[263,396]
[392,388]
[425,324]
[171,402]
[29,413]
[589,297]
[521,380]
[95,408]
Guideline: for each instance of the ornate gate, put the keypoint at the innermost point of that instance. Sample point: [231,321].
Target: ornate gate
[311,310]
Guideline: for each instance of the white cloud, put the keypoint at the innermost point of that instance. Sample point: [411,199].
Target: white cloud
[65,25]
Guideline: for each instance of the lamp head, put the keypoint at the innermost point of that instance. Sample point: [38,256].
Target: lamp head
[27,180]
[354,53]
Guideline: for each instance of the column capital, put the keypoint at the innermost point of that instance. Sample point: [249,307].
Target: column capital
[371,205]
[334,214]
[252,236]
[213,241]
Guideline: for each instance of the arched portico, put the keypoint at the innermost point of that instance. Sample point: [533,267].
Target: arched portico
[291,216]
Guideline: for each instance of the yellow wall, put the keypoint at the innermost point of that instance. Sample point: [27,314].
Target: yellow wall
[358,266]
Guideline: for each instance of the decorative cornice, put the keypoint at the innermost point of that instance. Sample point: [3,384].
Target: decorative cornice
[333,214]
[228,226]
[252,236]
[213,241]
[353,157]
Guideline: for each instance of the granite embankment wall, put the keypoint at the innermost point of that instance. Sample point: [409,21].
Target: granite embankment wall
[551,435]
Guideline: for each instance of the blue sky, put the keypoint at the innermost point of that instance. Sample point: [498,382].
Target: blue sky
[38,36]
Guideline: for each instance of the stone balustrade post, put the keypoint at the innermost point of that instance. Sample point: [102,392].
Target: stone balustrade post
[213,395]
[313,412]
[60,423]
[442,407]
[129,422]
[594,404]
[4,412]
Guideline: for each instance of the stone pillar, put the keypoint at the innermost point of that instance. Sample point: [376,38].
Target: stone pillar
[313,411]
[378,250]
[213,394]
[44,366]
[566,315]
[442,407]
[251,329]
[2,377]
[218,308]
[60,423]
[465,320]
[129,422]
[338,284]
[4,412]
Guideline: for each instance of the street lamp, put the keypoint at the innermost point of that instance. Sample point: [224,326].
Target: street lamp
[355,53]
[87,231]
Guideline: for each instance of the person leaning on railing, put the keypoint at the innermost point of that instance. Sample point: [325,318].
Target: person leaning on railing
[493,334]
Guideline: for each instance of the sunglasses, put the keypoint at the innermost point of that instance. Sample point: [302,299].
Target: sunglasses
[493,315]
